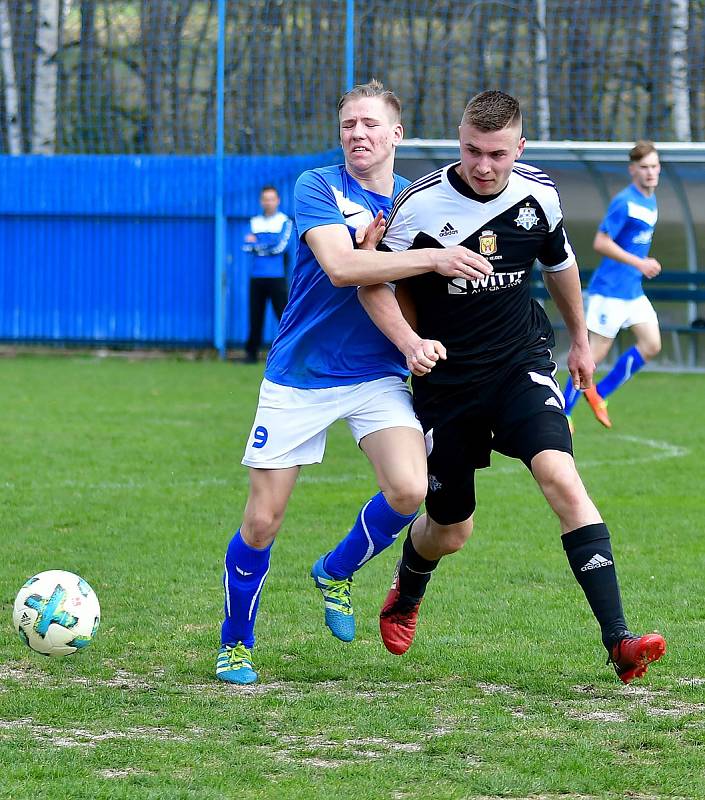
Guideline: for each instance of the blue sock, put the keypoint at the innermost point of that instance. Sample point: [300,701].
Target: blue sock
[629,364]
[245,571]
[571,395]
[376,527]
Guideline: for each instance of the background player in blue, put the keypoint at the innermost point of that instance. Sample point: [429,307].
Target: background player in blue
[267,241]
[496,390]
[329,362]
[616,298]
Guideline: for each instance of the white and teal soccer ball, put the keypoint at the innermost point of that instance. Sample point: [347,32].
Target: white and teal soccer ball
[56,613]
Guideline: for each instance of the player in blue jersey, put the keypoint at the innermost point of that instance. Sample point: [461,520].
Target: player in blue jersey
[616,298]
[266,241]
[330,362]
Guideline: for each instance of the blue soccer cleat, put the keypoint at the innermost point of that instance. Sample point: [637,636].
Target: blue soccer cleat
[338,603]
[234,664]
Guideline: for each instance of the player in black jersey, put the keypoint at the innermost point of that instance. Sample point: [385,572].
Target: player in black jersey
[488,380]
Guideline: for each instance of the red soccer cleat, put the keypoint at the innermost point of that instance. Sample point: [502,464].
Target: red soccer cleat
[632,655]
[397,619]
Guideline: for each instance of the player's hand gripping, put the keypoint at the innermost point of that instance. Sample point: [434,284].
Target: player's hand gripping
[581,364]
[453,262]
[459,262]
[650,267]
[367,237]
[423,354]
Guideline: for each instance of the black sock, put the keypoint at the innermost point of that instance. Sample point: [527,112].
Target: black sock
[590,556]
[414,570]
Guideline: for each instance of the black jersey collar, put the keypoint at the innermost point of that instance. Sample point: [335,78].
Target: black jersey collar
[460,186]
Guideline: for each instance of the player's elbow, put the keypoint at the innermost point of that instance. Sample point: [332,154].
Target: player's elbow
[340,272]
[339,277]
[599,243]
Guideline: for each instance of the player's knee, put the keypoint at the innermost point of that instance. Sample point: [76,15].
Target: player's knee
[650,349]
[260,525]
[567,495]
[406,498]
[453,537]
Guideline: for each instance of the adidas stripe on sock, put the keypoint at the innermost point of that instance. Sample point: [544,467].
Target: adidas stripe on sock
[589,553]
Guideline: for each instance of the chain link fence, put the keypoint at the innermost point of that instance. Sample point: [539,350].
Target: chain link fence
[121,76]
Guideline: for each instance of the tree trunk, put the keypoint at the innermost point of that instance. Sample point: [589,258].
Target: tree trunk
[45,82]
[12,106]
[155,21]
[679,70]
[543,107]
[87,73]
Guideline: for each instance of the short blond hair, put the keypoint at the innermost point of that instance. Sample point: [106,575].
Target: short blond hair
[492,111]
[374,88]
[644,147]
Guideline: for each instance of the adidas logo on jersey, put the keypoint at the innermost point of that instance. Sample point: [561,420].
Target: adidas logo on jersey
[552,402]
[448,230]
[434,484]
[596,562]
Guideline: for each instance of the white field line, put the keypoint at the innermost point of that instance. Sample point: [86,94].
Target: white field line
[239,479]
[657,450]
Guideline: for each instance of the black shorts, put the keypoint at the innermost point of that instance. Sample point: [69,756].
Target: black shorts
[519,415]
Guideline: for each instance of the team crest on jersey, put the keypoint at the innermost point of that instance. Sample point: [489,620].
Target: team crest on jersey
[488,243]
[526,218]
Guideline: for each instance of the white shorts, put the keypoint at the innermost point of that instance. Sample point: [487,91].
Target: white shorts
[291,424]
[608,315]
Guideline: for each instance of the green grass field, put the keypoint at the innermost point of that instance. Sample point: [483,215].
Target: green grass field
[128,474]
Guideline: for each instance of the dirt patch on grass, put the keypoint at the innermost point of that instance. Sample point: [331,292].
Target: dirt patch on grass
[121,680]
[19,672]
[692,681]
[121,773]
[618,691]
[619,706]
[365,747]
[319,750]
[79,737]
[543,797]
[497,688]
[598,716]
[26,673]
[677,709]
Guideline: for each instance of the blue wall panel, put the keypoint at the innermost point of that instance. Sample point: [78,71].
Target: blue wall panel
[108,279]
[119,249]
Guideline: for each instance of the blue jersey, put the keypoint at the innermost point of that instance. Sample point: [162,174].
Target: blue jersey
[630,222]
[269,251]
[325,336]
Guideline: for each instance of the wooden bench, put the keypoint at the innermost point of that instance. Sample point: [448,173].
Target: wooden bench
[671,286]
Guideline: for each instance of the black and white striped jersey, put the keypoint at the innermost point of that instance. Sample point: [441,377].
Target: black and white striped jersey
[481,321]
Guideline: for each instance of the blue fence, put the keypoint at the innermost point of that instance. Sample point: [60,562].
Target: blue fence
[119,250]
[134,249]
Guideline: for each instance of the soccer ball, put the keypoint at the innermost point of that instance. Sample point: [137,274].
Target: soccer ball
[56,613]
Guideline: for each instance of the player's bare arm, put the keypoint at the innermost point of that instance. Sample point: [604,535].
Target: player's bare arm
[564,288]
[380,302]
[406,302]
[345,266]
[606,246]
